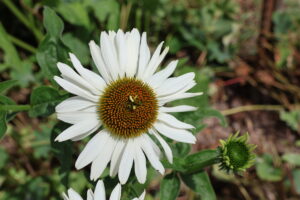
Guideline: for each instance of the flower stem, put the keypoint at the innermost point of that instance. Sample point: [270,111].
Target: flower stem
[14,108]
[22,44]
[232,111]
[37,33]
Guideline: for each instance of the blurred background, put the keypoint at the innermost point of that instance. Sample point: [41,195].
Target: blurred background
[246,54]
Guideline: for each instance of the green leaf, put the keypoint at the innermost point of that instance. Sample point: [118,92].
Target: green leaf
[201,184]
[266,170]
[5,85]
[292,119]
[197,161]
[3,126]
[4,115]
[51,51]
[169,188]
[3,157]
[76,13]
[79,48]
[43,101]
[62,151]
[53,24]
[11,56]
[296,177]
[110,11]
[292,158]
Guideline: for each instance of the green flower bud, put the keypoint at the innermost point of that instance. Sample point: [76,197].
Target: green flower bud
[235,154]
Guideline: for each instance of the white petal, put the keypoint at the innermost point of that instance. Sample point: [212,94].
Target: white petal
[99,191]
[140,164]
[144,56]
[133,44]
[73,104]
[70,75]
[77,129]
[97,58]
[126,162]
[121,51]
[116,193]
[109,55]
[65,197]
[152,63]
[164,100]
[90,76]
[142,197]
[182,108]
[84,135]
[116,157]
[90,195]
[173,85]
[103,158]
[73,195]
[158,78]
[154,67]
[180,135]
[74,89]
[164,145]
[76,117]
[151,155]
[172,121]
[92,149]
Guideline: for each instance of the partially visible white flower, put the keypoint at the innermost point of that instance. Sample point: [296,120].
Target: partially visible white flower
[99,193]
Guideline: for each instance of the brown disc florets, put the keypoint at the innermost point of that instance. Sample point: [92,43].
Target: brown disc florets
[128,107]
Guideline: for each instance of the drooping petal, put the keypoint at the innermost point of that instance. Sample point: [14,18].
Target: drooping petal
[77,129]
[144,56]
[74,89]
[151,155]
[92,149]
[126,162]
[182,108]
[98,60]
[90,76]
[133,45]
[180,135]
[74,104]
[164,145]
[116,157]
[172,121]
[109,55]
[140,164]
[158,78]
[73,195]
[116,193]
[100,191]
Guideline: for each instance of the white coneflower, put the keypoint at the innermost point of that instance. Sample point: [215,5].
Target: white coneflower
[99,193]
[127,100]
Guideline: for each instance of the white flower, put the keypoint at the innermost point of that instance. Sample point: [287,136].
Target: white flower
[99,193]
[127,101]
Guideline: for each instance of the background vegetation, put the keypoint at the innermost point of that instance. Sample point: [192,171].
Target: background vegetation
[246,55]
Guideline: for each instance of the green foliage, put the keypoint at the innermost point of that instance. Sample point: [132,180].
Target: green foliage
[266,170]
[169,188]
[43,101]
[292,158]
[292,118]
[52,49]
[200,183]
[5,85]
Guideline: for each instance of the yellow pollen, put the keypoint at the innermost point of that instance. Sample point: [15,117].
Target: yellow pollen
[128,107]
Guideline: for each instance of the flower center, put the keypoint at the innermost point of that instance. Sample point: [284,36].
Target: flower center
[128,107]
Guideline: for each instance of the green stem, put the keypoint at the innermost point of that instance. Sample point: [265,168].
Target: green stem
[22,44]
[252,108]
[14,108]
[37,33]
[197,161]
